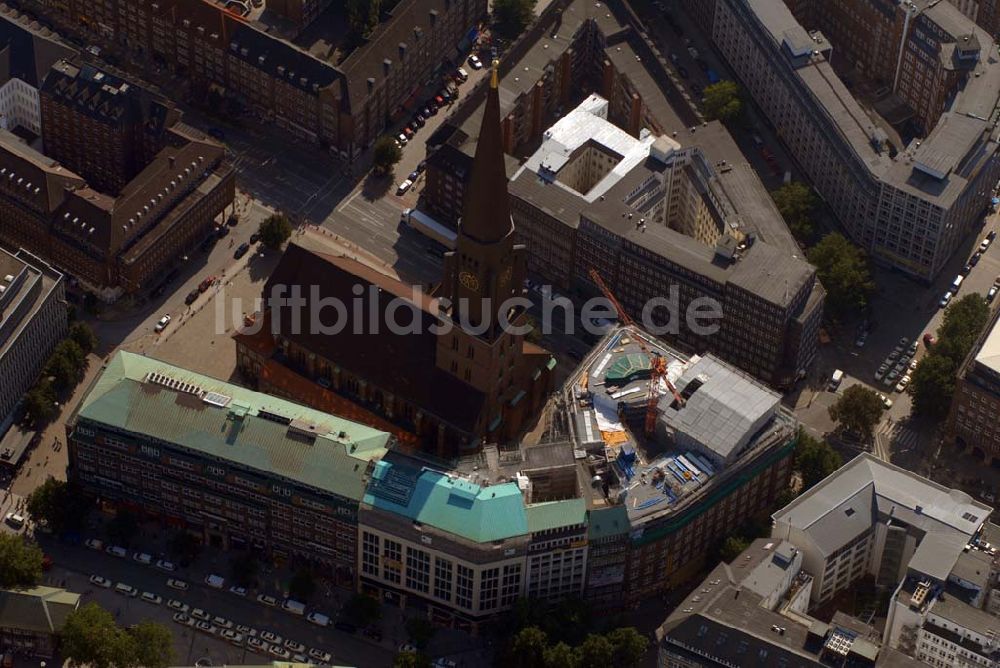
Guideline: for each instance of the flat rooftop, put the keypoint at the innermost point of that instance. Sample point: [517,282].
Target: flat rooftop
[30,283]
[988,355]
[216,419]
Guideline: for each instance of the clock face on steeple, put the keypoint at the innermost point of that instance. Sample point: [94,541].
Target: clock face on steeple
[469,281]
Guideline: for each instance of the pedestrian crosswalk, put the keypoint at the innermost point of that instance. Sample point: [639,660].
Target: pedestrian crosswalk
[894,437]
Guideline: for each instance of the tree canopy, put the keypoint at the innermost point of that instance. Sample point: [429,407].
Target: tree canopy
[511,17]
[275,230]
[722,101]
[858,410]
[815,459]
[90,637]
[411,660]
[531,648]
[387,154]
[59,505]
[796,202]
[843,270]
[40,402]
[731,548]
[933,381]
[20,562]
[83,336]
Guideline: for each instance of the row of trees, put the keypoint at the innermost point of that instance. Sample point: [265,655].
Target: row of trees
[531,647]
[933,381]
[63,370]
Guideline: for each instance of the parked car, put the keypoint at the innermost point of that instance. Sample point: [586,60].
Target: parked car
[320,655]
[116,551]
[94,544]
[929,339]
[403,187]
[267,600]
[161,325]
[258,644]
[294,646]
[142,557]
[991,295]
[191,297]
[255,237]
[206,627]
[991,236]
[974,260]
[126,590]
[241,250]
[222,622]
[198,613]
[150,597]
[461,74]
[271,637]
[179,606]
[98,581]
[215,581]
[475,63]
[234,637]
[402,138]
[408,131]
[165,565]
[181,618]
[966,269]
[179,585]
[205,284]
[318,618]
[886,401]
[945,300]
[239,591]
[279,652]
[414,175]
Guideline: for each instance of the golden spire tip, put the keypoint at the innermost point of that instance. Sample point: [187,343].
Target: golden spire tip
[495,75]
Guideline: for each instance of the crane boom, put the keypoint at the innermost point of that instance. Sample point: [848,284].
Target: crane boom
[657,364]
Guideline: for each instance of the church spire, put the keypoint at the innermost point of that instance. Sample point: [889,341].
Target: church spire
[486,209]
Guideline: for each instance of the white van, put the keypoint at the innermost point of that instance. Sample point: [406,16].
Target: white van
[15,520]
[215,581]
[957,283]
[835,379]
[293,607]
[318,618]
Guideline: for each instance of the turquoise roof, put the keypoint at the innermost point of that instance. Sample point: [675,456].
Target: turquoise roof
[607,522]
[556,514]
[454,505]
[252,429]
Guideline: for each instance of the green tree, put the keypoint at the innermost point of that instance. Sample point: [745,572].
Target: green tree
[963,323]
[527,650]
[595,652]
[784,497]
[796,202]
[858,409]
[560,655]
[122,528]
[66,364]
[722,101]
[932,386]
[411,660]
[814,459]
[153,645]
[629,646]
[732,547]
[387,154]
[420,631]
[243,569]
[83,335]
[20,562]
[843,270]
[511,17]
[90,637]
[302,585]
[363,610]
[275,230]
[59,505]
[40,402]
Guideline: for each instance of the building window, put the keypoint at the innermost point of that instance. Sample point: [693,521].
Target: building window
[392,563]
[463,587]
[511,584]
[369,554]
[442,579]
[489,589]
[418,570]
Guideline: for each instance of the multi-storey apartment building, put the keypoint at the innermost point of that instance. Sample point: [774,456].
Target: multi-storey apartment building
[33,320]
[231,466]
[466,550]
[344,105]
[123,241]
[910,207]
[29,51]
[974,420]
[658,502]
[677,217]
[582,47]
[102,127]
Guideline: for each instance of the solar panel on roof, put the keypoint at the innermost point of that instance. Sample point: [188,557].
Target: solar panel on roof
[216,399]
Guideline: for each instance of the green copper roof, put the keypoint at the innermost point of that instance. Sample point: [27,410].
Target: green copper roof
[249,428]
[556,514]
[455,505]
[607,522]
[627,368]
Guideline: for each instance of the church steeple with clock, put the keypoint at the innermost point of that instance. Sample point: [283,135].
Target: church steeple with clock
[485,270]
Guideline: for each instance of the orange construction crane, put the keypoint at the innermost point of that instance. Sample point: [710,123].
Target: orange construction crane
[657,363]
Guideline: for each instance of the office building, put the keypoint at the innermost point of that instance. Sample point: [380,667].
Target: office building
[455,377]
[466,548]
[33,319]
[677,217]
[301,87]
[974,420]
[657,503]
[122,241]
[581,48]
[32,618]
[102,127]
[753,612]
[27,53]
[910,205]
[233,467]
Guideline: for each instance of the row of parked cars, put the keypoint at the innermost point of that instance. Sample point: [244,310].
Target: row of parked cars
[973,261]
[898,365]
